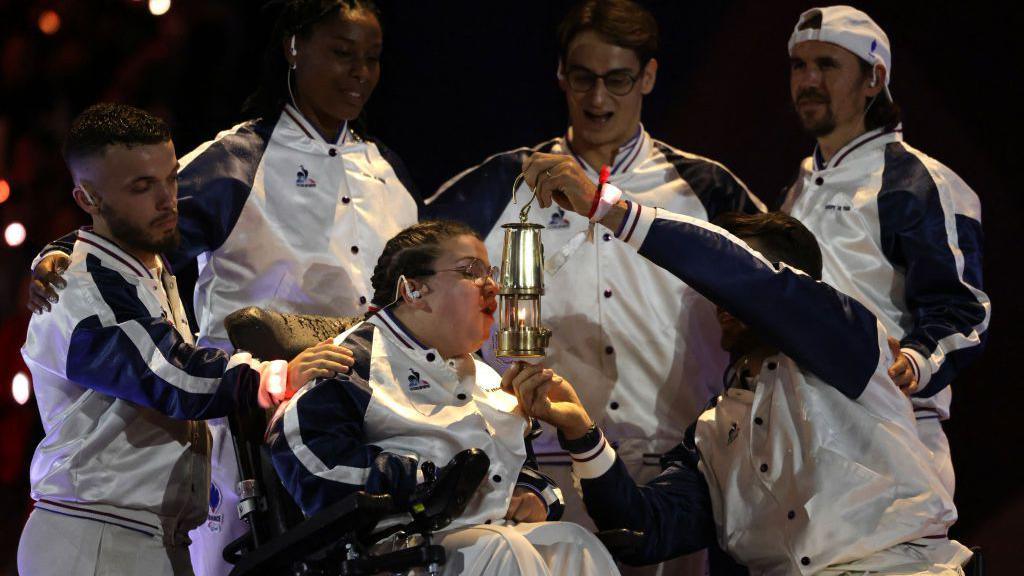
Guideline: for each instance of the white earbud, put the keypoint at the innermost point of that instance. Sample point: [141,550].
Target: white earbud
[294,53]
[413,294]
[558,71]
[874,77]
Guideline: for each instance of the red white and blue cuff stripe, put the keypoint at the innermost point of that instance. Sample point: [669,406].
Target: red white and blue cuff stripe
[635,224]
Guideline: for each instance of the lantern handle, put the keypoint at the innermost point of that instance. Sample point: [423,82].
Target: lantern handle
[525,212]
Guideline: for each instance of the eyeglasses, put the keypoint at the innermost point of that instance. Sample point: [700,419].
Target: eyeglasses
[476,271]
[618,82]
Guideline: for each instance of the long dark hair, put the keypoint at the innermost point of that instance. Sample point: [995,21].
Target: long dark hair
[296,17]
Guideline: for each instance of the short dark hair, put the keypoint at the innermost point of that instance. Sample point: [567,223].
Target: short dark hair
[621,22]
[109,124]
[781,238]
[882,112]
[411,253]
[295,17]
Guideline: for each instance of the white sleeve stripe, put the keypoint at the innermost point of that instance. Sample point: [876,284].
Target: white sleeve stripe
[597,465]
[151,355]
[589,454]
[970,207]
[309,460]
[159,365]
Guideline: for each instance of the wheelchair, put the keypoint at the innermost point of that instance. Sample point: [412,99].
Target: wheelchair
[339,539]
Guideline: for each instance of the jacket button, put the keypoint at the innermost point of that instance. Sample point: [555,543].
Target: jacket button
[609,350]
[345,199]
[805,560]
[496,478]
[461,396]
[764,467]
[355,249]
[362,299]
[608,293]
[758,420]
[819,180]
[614,405]
[607,237]
[791,515]
[430,356]
[772,365]
[332,152]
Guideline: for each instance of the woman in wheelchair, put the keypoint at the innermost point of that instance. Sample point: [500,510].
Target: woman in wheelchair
[415,397]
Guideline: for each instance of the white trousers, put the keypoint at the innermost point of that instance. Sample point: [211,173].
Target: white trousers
[932,435]
[534,549]
[57,545]
[222,524]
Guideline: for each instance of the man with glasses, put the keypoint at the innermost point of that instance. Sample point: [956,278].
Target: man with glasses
[638,340]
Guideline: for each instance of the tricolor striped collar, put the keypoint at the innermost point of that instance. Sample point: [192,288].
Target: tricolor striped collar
[114,256]
[877,136]
[309,130]
[386,320]
[625,158]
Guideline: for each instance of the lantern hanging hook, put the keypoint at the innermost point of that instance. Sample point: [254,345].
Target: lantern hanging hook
[524,213]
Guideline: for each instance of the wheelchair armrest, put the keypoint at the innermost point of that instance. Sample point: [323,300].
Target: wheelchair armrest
[270,335]
[621,541]
[356,515]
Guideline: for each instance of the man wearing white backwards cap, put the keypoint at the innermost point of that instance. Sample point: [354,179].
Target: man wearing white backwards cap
[898,230]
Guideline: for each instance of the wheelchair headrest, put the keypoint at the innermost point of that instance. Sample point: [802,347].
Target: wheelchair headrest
[270,335]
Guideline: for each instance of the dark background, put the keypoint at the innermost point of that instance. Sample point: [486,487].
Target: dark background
[464,79]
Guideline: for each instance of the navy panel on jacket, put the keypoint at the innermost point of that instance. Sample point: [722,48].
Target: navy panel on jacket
[717,189]
[404,176]
[914,237]
[480,196]
[214,186]
[331,415]
[105,359]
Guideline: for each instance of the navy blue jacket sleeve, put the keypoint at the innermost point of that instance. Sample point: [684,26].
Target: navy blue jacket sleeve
[673,511]
[939,247]
[718,189]
[65,244]
[478,196]
[403,174]
[318,442]
[213,187]
[126,352]
[823,330]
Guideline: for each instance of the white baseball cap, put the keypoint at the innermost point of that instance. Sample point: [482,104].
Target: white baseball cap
[849,28]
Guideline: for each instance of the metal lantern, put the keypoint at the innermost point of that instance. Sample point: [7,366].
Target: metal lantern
[520,333]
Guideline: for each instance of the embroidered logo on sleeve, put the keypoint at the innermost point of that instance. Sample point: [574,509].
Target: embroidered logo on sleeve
[415,383]
[302,179]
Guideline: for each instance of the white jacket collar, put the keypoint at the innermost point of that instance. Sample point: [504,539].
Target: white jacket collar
[113,256]
[862,144]
[297,121]
[627,156]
